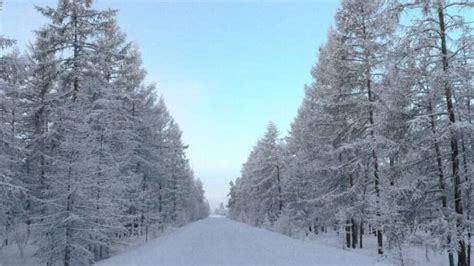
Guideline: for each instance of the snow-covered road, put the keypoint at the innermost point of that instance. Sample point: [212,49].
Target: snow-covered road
[220,241]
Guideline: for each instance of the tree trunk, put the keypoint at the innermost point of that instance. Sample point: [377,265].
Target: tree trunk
[75,57]
[160,206]
[69,207]
[468,193]
[370,98]
[468,104]
[468,199]
[348,234]
[441,181]
[354,233]
[454,142]
[280,200]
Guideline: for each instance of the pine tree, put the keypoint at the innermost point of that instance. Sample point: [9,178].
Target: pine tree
[443,48]
[260,189]
[383,136]
[88,153]
[12,192]
[72,32]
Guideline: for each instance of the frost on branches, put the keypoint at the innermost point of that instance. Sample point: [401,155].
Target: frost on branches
[89,156]
[383,141]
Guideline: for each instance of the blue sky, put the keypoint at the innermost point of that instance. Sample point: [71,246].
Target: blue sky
[225,67]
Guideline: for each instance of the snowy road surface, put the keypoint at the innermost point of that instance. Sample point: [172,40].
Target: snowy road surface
[220,241]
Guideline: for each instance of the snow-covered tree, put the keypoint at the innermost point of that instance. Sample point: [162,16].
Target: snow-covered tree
[261,185]
[12,191]
[382,141]
[88,152]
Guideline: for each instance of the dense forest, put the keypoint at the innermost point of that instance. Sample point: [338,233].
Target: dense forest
[383,141]
[89,154]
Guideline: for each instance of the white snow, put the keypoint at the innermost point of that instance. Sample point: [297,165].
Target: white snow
[220,241]
[10,256]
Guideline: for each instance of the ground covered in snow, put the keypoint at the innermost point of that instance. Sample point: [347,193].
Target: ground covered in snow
[220,241]
[10,256]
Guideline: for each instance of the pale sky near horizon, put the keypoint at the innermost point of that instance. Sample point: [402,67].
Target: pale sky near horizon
[224,67]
